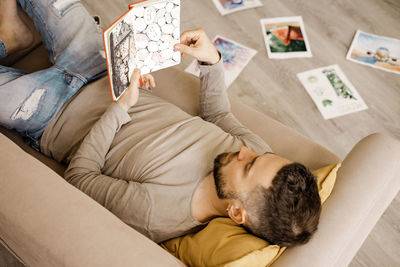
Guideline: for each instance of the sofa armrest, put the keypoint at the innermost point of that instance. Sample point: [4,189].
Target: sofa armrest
[366,184]
[47,222]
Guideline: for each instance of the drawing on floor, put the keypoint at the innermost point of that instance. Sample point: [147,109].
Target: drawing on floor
[285,37]
[375,51]
[235,57]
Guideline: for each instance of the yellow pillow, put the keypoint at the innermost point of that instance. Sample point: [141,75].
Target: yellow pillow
[224,243]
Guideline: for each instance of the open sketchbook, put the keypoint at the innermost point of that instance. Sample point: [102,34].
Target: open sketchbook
[143,37]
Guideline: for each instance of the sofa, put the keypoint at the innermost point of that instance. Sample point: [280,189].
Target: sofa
[45,221]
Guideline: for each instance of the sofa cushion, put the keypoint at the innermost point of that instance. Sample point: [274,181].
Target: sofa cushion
[47,222]
[223,241]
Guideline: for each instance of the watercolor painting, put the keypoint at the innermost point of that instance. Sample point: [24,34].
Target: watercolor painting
[375,51]
[229,6]
[331,91]
[341,89]
[234,55]
[285,37]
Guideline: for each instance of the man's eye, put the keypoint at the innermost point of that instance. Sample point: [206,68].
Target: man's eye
[247,168]
[250,164]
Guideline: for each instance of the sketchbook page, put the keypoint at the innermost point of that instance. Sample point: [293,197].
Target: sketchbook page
[157,30]
[123,52]
[143,38]
[120,53]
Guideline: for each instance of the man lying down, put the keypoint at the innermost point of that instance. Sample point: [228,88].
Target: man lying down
[160,170]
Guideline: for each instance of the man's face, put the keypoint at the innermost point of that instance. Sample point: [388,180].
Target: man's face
[242,171]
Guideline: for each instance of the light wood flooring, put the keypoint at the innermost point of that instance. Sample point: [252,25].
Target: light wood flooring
[271,85]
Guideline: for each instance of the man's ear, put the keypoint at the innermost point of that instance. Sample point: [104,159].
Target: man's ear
[237,212]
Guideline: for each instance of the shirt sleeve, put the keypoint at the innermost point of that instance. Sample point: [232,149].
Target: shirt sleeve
[119,196]
[215,107]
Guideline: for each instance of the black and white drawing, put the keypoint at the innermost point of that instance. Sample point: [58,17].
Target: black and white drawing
[142,38]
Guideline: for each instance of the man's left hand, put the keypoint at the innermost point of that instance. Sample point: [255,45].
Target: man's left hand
[197,44]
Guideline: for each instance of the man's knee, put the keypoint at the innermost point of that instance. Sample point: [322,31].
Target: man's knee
[29,106]
[61,7]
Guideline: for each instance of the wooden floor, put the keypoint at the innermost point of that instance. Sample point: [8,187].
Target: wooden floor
[271,86]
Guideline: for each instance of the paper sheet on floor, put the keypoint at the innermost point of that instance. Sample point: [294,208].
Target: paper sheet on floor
[234,55]
[331,91]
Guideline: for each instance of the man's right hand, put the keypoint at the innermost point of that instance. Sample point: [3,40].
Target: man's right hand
[131,95]
[197,44]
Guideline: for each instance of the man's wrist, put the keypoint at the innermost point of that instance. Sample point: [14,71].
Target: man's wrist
[212,61]
[123,106]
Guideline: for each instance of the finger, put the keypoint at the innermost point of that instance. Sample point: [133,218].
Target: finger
[135,77]
[185,49]
[149,79]
[152,81]
[144,79]
[189,37]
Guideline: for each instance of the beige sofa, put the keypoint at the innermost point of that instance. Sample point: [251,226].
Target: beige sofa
[44,221]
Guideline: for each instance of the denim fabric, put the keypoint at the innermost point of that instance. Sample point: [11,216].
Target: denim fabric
[3,50]
[29,101]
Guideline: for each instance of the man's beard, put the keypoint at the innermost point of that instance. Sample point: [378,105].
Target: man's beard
[219,178]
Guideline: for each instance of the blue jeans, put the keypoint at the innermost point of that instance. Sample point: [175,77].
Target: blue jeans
[73,40]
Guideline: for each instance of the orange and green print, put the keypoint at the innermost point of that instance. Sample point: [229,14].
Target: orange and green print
[285,37]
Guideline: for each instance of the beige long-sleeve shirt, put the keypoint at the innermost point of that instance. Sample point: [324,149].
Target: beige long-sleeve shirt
[145,165]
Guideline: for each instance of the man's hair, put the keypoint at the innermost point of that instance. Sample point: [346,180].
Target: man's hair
[287,213]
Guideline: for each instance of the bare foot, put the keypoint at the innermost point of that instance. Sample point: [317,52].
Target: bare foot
[13,31]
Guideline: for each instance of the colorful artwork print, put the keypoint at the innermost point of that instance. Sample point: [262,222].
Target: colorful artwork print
[375,51]
[234,55]
[229,6]
[331,91]
[285,37]
[341,89]
[232,4]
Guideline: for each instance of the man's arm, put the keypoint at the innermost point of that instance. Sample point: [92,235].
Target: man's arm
[84,171]
[214,102]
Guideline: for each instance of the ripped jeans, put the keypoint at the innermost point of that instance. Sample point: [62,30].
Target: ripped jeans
[73,40]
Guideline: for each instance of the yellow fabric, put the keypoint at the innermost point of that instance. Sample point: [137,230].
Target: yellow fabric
[224,243]
[326,178]
[258,258]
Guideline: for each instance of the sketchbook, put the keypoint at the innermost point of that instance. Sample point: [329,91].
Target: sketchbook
[144,38]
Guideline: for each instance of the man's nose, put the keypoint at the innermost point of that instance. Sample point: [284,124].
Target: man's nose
[244,152]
